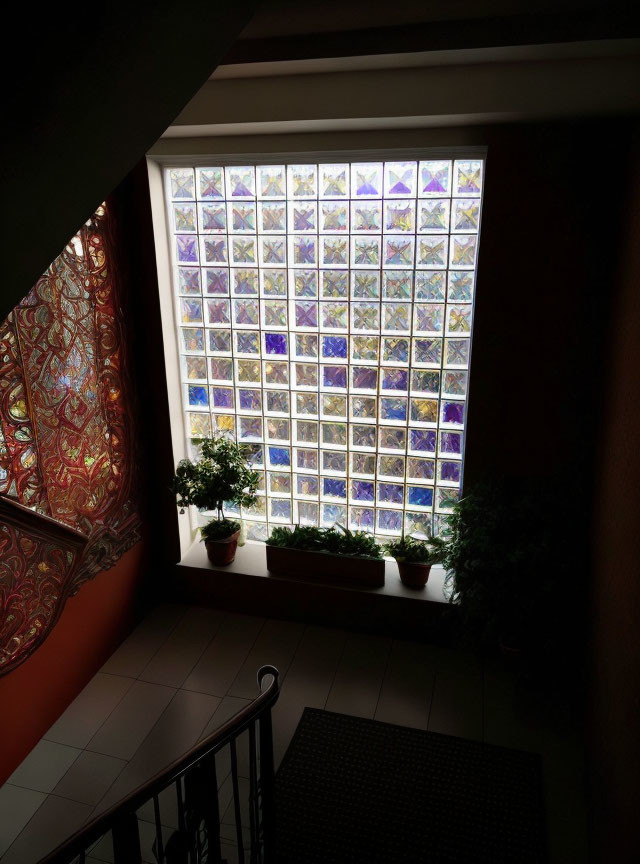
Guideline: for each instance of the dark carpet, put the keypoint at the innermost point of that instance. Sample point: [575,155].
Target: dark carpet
[357,790]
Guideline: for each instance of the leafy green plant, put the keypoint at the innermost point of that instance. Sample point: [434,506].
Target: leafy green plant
[219,529]
[338,541]
[410,550]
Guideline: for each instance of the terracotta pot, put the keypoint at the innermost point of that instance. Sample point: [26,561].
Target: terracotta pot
[222,552]
[413,575]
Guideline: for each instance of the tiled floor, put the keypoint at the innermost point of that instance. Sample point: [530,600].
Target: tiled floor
[185,670]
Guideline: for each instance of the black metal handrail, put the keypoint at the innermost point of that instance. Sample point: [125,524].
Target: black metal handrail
[197,840]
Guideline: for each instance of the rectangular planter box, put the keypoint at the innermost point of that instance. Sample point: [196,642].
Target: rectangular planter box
[326,567]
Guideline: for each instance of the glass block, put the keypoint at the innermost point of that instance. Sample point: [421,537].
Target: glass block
[280,508]
[187,248]
[334,461]
[425,381]
[456,352]
[250,428]
[335,283]
[272,217]
[278,429]
[217,280]
[247,342]
[446,498]
[333,487]
[302,181]
[390,521]
[393,408]
[468,177]
[391,466]
[450,472]
[274,313]
[334,315]
[466,214]
[210,183]
[463,250]
[333,514]
[451,443]
[390,493]
[188,280]
[306,345]
[365,251]
[453,412]
[395,350]
[219,341]
[433,215]
[365,285]
[364,378]
[279,456]
[240,182]
[455,383]
[184,217]
[218,313]
[419,468]
[257,531]
[334,406]
[363,463]
[334,346]
[198,425]
[366,180]
[277,401]
[400,179]
[222,397]
[307,513]
[396,284]
[242,218]
[427,351]
[271,181]
[365,316]
[276,372]
[394,379]
[460,286]
[245,282]
[424,410]
[334,376]
[335,251]
[221,369]
[398,251]
[432,251]
[246,313]
[459,319]
[197,396]
[243,250]
[396,316]
[362,490]
[365,348]
[361,518]
[248,370]
[303,216]
[334,216]
[363,407]
[434,178]
[305,283]
[306,312]
[274,283]
[363,436]
[303,250]
[307,485]
[430,285]
[273,251]
[422,440]
[307,403]
[307,460]
[182,183]
[306,374]
[334,181]
[366,217]
[195,367]
[306,432]
[428,317]
[214,249]
[191,311]
[399,217]
[334,434]
[250,400]
[420,496]
[192,339]
[418,525]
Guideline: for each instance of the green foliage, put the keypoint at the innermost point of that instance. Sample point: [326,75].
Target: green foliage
[222,474]
[410,550]
[337,540]
[219,529]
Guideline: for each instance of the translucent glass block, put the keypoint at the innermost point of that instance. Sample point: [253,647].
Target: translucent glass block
[182,183]
[247,342]
[363,407]
[274,283]
[365,316]
[397,284]
[243,250]
[334,461]
[424,410]
[463,250]
[434,178]
[366,217]
[456,352]
[334,216]
[214,249]
[432,251]
[418,524]
[446,497]
[334,487]
[390,493]
[199,425]
[364,378]
[430,285]
[391,466]
[468,177]
[248,370]
[302,181]
[217,280]
[242,217]
[187,248]
[363,463]
[195,368]
[273,251]
[422,440]
[420,469]
[274,313]
[191,311]
[427,351]
[250,400]
[271,181]
[398,251]
[307,460]
[257,531]
[451,443]
[306,433]
[335,251]
[306,345]
[245,282]
[306,374]
[224,423]
[425,381]
[210,183]
[277,401]
[334,316]
[334,346]
[222,397]
[365,285]
[218,313]
[280,509]
[250,428]
[306,313]
[303,250]
[272,217]
[400,179]
[428,318]
[390,521]
[363,436]
[221,369]
[307,484]
[420,496]
[361,518]
[366,180]
[395,349]
[192,339]
[219,341]
[303,216]
[279,456]
[184,217]
[455,383]
[307,513]
[460,286]
[393,408]
[396,316]
[334,376]
[334,514]
[334,181]
[334,283]
[334,406]
[307,404]
[433,215]
[365,251]
[246,313]
[365,348]
[241,182]
[466,214]
[393,378]
[363,490]
[305,283]
[450,472]
[278,429]
[197,396]
[399,217]
[453,412]
[276,372]
[188,279]
[334,434]
[459,319]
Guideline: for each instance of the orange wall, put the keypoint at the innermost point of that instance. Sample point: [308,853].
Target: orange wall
[92,624]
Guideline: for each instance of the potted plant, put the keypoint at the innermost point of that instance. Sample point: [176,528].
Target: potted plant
[414,558]
[327,554]
[221,475]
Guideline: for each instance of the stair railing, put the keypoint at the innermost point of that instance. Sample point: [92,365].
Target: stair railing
[197,840]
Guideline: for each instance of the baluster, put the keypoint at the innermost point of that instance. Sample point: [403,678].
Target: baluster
[267,788]
[236,800]
[126,840]
[159,850]
[253,795]
[202,806]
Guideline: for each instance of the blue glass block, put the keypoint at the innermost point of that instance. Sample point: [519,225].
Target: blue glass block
[275,343]
[450,471]
[392,408]
[280,508]
[279,456]
[334,513]
[222,397]
[198,396]
[335,487]
[334,346]
[451,442]
[420,496]
[391,493]
[250,400]
[390,520]
[395,379]
[187,246]
[423,440]
[362,491]
[334,376]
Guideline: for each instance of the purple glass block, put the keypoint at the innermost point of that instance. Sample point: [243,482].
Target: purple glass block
[217,282]
[275,343]
[451,442]
[391,493]
[335,487]
[279,456]
[365,378]
[450,471]
[198,397]
[393,408]
[249,400]
[362,491]
[334,376]
[305,250]
[187,246]
[453,412]
[304,218]
[215,250]
[222,397]
[420,496]
[280,509]
[390,520]
[362,518]
[306,314]
[395,379]
[423,440]
[334,346]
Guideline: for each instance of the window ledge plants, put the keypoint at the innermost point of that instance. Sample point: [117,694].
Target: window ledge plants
[414,558]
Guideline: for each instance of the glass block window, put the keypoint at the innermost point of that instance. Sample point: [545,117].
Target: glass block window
[324,317]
